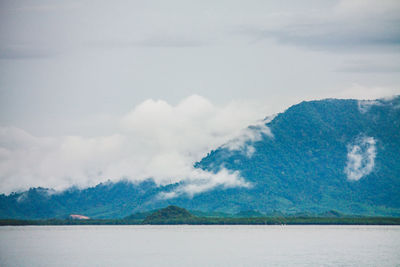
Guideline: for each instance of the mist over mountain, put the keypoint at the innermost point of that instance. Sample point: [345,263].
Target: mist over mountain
[315,157]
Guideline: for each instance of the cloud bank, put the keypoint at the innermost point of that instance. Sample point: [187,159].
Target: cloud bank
[154,140]
[360,158]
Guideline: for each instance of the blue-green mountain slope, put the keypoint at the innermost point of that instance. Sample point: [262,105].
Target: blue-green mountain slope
[330,154]
[317,156]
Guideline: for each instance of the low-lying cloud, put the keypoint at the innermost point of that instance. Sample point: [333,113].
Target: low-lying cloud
[360,158]
[245,139]
[200,181]
[155,140]
[365,105]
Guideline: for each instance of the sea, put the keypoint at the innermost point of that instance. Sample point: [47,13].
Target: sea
[189,246]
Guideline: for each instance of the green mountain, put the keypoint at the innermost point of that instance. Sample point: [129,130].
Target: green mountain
[315,157]
[323,155]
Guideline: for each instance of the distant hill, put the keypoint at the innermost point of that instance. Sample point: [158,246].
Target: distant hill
[169,214]
[316,157]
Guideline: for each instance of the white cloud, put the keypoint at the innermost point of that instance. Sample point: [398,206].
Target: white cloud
[365,105]
[360,158]
[245,139]
[200,181]
[155,140]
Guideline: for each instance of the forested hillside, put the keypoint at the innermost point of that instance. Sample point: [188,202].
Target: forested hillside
[315,157]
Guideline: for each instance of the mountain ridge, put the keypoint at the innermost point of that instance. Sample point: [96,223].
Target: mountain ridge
[303,163]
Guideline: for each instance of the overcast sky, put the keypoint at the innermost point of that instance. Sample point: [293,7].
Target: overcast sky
[99,71]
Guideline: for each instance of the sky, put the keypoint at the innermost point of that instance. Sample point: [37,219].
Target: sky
[137,89]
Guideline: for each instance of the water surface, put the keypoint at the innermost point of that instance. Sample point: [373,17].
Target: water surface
[200,246]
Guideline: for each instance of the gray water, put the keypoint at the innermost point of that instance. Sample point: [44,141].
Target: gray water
[200,246]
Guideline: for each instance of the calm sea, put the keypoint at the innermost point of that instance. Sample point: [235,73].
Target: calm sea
[200,246]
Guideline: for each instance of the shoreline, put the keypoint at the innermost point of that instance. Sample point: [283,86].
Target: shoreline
[214,221]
